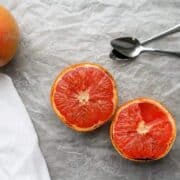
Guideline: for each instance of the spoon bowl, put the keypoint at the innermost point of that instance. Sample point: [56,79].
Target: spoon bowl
[115,55]
[127,46]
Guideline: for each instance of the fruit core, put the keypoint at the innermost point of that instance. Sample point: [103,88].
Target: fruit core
[143,128]
[83,97]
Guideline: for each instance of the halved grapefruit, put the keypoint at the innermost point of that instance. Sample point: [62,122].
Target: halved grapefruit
[143,129]
[84,96]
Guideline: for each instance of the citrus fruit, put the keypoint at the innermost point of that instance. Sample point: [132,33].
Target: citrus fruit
[9,36]
[84,96]
[143,129]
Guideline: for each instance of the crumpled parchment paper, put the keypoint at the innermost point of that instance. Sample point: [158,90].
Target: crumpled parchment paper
[55,34]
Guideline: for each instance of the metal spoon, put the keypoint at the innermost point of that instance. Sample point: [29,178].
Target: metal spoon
[130,47]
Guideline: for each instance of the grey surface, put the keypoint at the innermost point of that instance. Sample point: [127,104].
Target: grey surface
[57,33]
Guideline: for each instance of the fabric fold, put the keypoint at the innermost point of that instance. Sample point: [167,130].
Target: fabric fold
[20,154]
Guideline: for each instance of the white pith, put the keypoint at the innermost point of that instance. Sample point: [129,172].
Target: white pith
[83,97]
[143,128]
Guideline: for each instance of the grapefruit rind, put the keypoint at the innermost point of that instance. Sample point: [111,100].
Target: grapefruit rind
[61,117]
[162,107]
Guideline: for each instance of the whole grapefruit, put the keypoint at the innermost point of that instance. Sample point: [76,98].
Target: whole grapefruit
[9,36]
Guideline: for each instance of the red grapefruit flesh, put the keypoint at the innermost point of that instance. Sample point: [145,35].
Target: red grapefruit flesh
[84,96]
[142,130]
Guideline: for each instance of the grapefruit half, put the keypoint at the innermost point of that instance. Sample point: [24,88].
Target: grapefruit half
[84,96]
[143,129]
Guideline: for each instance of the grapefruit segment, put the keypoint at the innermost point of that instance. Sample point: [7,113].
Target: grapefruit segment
[143,130]
[84,96]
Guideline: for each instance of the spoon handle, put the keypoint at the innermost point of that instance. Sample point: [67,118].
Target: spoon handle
[173,29]
[175,53]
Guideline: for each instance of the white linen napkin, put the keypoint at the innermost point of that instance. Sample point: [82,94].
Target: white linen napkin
[20,155]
